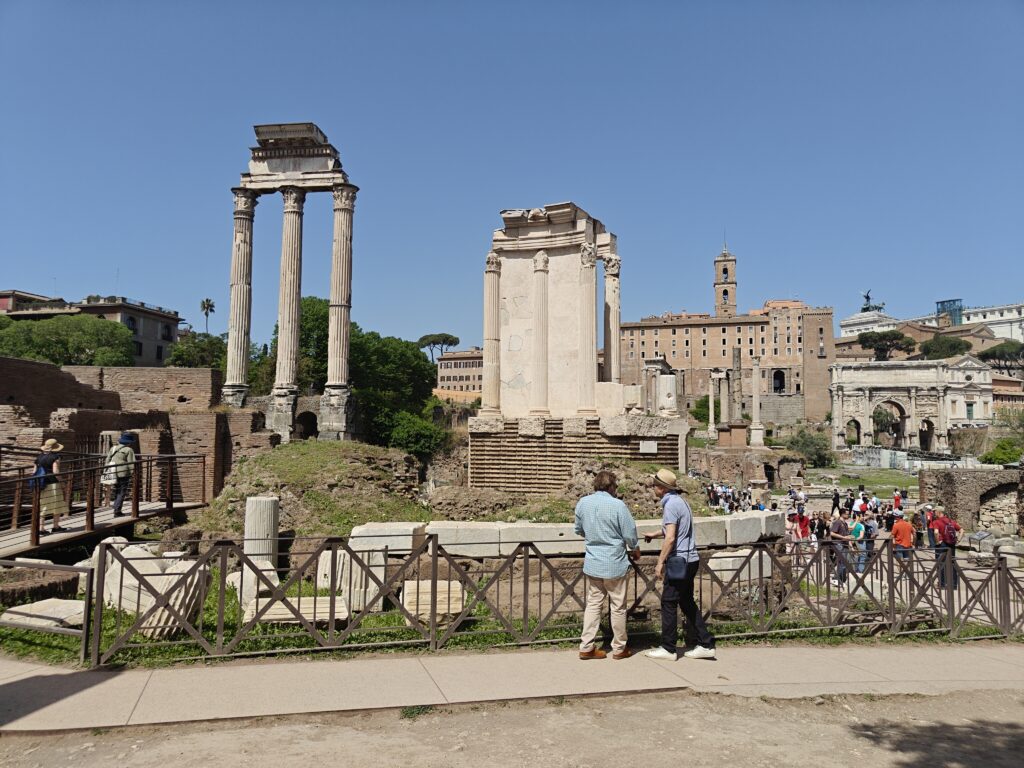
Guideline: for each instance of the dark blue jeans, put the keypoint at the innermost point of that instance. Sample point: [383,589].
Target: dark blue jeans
[939,549]
[676,594]
[120,492]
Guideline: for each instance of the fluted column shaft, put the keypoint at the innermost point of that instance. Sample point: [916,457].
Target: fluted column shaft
[756,428]
[240,318]
[539,384]
[490,401]
[341,287]
[712,432]
[290,297]
[612,320]
[587,376]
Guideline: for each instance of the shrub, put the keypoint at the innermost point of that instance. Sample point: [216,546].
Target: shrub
[1007,450]
[813,447]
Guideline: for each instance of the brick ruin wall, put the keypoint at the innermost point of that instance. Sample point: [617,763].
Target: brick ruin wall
[782,409]
[41,388]
[990,499]
[154,389]
[508,461]
[741,466]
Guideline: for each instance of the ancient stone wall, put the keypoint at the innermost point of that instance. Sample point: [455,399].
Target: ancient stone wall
[977,498]
[782,409]
[154,389]
[41,388]
[510,461]
[739,467]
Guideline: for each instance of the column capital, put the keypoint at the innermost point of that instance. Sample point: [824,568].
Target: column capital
[540,262]
[294,199]
[493,263]
[344,197]
[245,201]
[612,263]
[588,255]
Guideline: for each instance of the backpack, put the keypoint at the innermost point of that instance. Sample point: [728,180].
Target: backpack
[949,533]
[38,480]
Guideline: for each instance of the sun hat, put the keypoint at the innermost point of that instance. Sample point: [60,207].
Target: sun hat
[51,446]
[897,513]
[127,438]
[666,479]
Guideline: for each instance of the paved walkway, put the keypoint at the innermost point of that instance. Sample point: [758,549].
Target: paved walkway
[41,698]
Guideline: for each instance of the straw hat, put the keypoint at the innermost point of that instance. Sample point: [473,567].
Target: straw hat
[666,479]
[51,446]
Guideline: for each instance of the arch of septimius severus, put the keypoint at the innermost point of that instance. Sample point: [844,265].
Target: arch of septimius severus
[293,159]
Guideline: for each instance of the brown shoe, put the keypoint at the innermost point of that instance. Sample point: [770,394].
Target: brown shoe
[625,653]
[596,653]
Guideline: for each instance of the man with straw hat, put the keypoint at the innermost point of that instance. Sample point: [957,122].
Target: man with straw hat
[51,500]
[678,564]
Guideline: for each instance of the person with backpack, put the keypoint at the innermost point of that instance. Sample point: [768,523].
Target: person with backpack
[117,470]
[947,536]
[47,484]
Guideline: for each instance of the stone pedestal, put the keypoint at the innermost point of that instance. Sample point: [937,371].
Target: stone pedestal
[336,417]
[281,413]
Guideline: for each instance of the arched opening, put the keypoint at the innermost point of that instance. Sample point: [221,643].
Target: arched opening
[769,475]
[725,296]
[889,423]
[779,382]
[725,274]
[926,435]
[853,432]
[305,426]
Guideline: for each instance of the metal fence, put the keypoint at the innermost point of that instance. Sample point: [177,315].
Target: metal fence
[390,591]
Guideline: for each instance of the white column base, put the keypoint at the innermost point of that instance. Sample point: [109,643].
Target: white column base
[234,394]
[756,436]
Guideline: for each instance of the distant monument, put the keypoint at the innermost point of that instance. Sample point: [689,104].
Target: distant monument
[868,306]
[293,159]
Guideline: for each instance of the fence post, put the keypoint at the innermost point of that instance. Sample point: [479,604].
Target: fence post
[890,578]
[947,570]
[16,512]
[90,507]
[136,489]
[87,617]
[170,485]
[101,575]
[33,537]
[526,590]
[1003,589]
[433,591]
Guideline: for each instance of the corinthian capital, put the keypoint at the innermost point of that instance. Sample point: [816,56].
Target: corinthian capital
[293,199]
[245,201]
[611,265]
[493,262]
[540,262]
[344,198]
[588,254]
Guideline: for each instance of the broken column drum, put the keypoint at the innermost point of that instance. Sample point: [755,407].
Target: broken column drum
[262,517]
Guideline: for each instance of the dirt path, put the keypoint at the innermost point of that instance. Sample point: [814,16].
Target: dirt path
[678,729]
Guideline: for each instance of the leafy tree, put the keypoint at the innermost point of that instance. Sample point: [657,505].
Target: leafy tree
[1006,357]
[939,347]
[416,435]
[437,341]
[884,343]
[1012,420]
[1007,450]
[883,420]
[207,307]
[199,350]
[813,446]
[700,410]
[68,340]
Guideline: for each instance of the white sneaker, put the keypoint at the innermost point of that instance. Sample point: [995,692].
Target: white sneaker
[661,653]
[700,652]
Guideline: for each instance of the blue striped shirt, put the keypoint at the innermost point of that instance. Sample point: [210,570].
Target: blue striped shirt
[610,533]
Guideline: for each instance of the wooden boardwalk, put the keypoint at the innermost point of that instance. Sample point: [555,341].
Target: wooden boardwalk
[17,542]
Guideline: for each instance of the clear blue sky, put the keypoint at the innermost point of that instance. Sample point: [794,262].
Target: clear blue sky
[842,145]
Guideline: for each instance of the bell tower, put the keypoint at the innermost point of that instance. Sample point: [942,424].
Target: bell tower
[725,284]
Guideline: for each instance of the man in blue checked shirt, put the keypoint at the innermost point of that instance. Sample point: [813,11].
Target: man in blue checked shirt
[611,543]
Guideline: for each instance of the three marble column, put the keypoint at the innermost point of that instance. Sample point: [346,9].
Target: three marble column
[587,377]
[334,416]
[539,385]
[490,400]
[612,319]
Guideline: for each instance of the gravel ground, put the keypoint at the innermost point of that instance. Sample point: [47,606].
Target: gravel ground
[979,728]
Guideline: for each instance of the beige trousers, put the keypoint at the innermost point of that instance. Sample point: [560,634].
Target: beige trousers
[615,589]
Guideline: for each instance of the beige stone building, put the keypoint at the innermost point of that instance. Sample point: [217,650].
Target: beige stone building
[925,400]
[978,335]
[794,342]
[460,372]
[154,329]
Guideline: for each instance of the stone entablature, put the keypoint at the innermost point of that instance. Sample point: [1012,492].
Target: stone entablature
[928,398]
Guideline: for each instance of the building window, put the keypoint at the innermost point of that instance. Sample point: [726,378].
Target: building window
[704,353]
[673,331]
[641,331]
[137,348]
[165,332]
[159,352]
[132,324]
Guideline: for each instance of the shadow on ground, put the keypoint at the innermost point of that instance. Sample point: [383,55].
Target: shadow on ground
[992,744]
